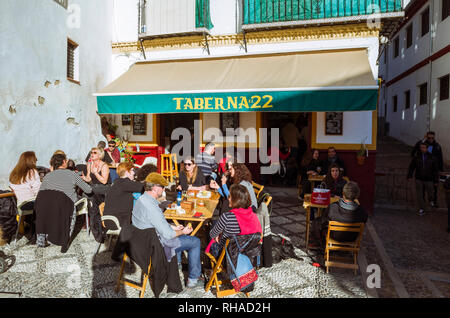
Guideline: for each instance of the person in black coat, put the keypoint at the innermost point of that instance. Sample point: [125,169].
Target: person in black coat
[191,176]
[119,199]
[346,210]
[426,171]
[312,168]
[436,151]
[331,159]
[334,180]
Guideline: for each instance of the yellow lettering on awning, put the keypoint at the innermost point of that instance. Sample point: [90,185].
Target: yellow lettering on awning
[178,100]
[269,100]
[243,102]
[233,102]
[256,104]
[198,103]
[188,104]
[208,102]
[219,102]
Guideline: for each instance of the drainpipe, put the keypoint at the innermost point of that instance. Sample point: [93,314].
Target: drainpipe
[432,31]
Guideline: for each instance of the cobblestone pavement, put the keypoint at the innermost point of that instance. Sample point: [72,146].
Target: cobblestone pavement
[45,272]
[412,253]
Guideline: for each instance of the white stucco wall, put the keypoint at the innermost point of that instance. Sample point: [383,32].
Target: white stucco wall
[33,50]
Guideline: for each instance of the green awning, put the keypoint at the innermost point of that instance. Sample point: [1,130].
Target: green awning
[288,82]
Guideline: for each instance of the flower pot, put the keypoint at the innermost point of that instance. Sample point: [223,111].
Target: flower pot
[361,160]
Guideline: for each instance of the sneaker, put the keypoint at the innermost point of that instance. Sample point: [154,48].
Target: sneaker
[194,284]
[421,212]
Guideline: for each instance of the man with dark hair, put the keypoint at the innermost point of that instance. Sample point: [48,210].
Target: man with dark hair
[435,149]
[207,162]
[346,210]
[175,239]
[426,172]
[331,159]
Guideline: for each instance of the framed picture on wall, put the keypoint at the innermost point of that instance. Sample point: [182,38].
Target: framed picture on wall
[228,120]
[139,124]
[126,120]
[333,123]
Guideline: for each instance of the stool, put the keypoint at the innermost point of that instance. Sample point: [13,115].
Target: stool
[169,167]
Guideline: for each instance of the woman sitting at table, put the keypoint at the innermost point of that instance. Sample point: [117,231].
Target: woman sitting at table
[119,199]
[98,175]
[191,177]
[24,179]
[240,220]
[311,168]
[334,181]
[239,174]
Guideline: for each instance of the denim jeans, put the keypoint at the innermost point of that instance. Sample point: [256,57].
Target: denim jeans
[191,244]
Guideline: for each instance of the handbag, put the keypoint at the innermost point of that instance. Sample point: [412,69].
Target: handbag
[244,273]
[321,196]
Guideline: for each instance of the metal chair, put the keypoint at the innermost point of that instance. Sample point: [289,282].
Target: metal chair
[111,233]
[22,212]
[82,208]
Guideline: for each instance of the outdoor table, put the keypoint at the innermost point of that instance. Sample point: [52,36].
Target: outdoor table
[308,205]
[315,178]
[207,210]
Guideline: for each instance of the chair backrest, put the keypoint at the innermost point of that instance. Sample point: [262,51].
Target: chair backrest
[116,222]
[257,188]
[346,227]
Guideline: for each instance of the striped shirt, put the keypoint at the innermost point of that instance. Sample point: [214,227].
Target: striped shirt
[65,181]
[206,162]
[228,225]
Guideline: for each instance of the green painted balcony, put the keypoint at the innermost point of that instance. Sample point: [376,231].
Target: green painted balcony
[297,12]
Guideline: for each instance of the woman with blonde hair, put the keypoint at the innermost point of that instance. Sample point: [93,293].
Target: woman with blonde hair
[24,179]
[98,174]
[119,199]
[191,177]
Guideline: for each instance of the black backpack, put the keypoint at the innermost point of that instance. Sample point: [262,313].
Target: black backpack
[8,212]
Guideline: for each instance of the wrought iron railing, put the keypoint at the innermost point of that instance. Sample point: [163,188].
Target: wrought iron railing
[269,11]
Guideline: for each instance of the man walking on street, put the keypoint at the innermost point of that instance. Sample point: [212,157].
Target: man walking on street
[435,149]
[426,174]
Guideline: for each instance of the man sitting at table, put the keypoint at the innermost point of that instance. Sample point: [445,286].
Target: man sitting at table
[346,210]
[331,159]
[175,239]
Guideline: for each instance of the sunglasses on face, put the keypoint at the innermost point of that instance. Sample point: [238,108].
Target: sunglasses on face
[94,152]
[188,164]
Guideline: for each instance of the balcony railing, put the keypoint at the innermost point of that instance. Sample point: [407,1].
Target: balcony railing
[272,11]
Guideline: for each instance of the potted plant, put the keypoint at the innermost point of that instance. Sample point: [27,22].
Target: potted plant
[362,154]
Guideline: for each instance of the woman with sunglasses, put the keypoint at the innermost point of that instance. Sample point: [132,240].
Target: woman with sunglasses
[98,174]
[119,199]
[191,177]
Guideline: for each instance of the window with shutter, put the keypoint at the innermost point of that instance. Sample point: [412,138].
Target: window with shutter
[407,99]
[72,61]
[409,35]
[426,21]
[445,9]
[423,94]
[394,102]
[444,87]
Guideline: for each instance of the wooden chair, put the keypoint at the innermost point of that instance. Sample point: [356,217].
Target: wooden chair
[257,188]
[169,167]
[217,265]
[333,245]
[141,287]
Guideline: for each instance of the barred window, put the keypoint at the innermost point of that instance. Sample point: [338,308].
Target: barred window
[445,9]
[426,21]
[407,99]
[72,61]
[409,35]
[444,87]
[396,47]
[394,102]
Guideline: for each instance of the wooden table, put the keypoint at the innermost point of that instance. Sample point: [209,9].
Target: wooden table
[315,178]
[307,205]
[207,211]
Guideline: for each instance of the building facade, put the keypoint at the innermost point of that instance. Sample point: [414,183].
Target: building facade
[180,30]
[54,55]
[415,67]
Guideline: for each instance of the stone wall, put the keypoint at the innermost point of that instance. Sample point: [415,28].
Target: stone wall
[40,110]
